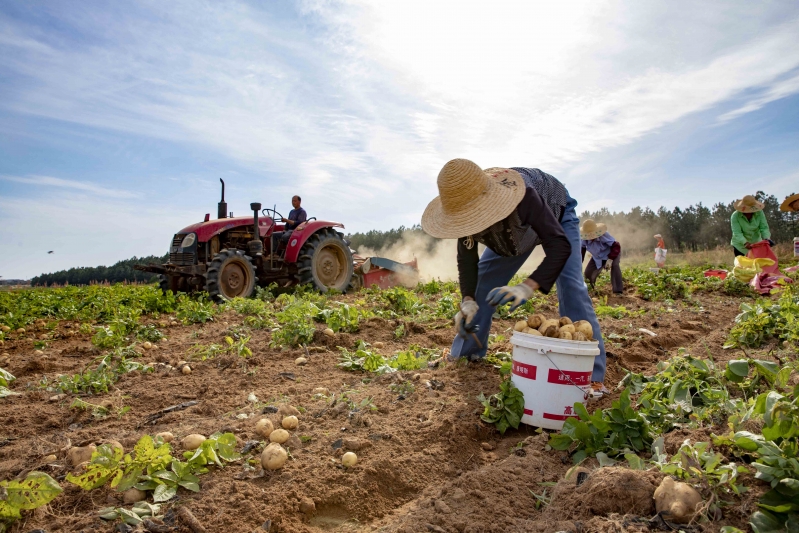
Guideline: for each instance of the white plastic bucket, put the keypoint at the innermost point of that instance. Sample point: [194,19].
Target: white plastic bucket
[552,374]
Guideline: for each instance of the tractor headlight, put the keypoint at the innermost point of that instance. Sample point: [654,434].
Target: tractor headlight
[188,240]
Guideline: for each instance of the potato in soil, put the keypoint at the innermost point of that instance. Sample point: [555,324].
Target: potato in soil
[273,456]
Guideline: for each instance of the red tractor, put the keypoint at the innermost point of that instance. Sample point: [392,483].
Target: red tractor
[227,257]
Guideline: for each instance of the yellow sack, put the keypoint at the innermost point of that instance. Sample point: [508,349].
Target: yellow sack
[746,268]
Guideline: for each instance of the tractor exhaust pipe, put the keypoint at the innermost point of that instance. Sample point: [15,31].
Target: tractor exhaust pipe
[255,246]
[222,211]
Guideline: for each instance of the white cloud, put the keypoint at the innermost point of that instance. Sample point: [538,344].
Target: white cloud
[45,183]
[778,90]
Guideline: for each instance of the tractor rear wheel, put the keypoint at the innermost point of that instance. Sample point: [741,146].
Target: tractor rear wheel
[326,261]
[230,275]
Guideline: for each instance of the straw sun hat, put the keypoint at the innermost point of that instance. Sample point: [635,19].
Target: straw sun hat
[748,204]
[786,205]
[591,230]
[471,199]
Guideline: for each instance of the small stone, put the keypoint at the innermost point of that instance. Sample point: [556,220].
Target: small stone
[300,361]
[487,446]
[307,506]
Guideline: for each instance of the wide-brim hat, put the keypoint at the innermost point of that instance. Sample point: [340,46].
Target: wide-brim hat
[748,204]
[786,204]
[591,230]
[471,199]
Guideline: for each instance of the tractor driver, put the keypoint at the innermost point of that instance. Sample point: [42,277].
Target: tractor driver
[296,217]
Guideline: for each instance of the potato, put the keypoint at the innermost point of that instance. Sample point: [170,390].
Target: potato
[186,369]
[20,330]
[300,361]
[147,345]
[290,422]
[264,427]
[5,329]
[115,444]
[80,454]
[564,320]
[584,327]
[273,456]
[535,321]
[520,325]
[279,436]
[578,336]
[677,501]
[377,345]
[192,442]
[49,459]
[568,327]
[165,436]
[531,331]
[329,332]
[134,495]
[546,323]
[551,331]
[349,459]
[566,335]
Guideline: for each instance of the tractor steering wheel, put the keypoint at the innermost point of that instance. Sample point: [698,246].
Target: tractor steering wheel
[275,216]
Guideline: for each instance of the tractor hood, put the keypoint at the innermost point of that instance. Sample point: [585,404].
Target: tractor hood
[206,230]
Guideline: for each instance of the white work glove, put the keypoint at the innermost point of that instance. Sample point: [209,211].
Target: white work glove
[465,316]
[608,264]
[516,295]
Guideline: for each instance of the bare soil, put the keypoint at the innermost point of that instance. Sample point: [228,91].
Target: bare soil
[426,461]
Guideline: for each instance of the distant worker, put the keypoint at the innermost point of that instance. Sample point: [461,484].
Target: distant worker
[660,251]
[296,217]
[749,225]
[510,211]
[791,203]
[605,253]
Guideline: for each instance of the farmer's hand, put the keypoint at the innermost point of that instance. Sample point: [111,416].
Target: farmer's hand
[748,246]
[516,295]
[465,316]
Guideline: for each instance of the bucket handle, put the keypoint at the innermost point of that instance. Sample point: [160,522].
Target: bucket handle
[544,353]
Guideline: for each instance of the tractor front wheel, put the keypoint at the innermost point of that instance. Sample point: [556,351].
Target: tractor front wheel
[326,262]
[231,274]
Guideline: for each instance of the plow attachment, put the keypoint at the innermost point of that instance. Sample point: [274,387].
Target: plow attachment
[385,273]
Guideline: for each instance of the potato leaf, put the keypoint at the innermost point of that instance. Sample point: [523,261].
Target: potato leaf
[36,490]
[104,465]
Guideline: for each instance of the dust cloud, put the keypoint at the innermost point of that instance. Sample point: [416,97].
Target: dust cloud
[437,259]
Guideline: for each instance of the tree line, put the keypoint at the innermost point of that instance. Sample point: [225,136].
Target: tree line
[693,228]
[118,272]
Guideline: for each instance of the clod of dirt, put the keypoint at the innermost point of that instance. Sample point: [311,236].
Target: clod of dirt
[677,501]
[290,422]
[287,410]
[294,443]
[487,446]
[605,491]
[442,507]
[300,361]
[352,444]
[192,442]
[80,454]
[279,436]
[307,506]
[133,495]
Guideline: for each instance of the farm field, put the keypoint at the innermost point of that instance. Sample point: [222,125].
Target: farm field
[113,366]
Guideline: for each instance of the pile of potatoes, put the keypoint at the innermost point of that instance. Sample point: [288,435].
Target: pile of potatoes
[562,328]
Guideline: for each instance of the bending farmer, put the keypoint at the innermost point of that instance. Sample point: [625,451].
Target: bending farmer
[605,253]
[510,211]
[749,225]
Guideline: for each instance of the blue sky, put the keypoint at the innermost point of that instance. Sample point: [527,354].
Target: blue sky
[118,118]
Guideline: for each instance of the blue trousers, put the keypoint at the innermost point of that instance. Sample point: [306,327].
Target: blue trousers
[573,299]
